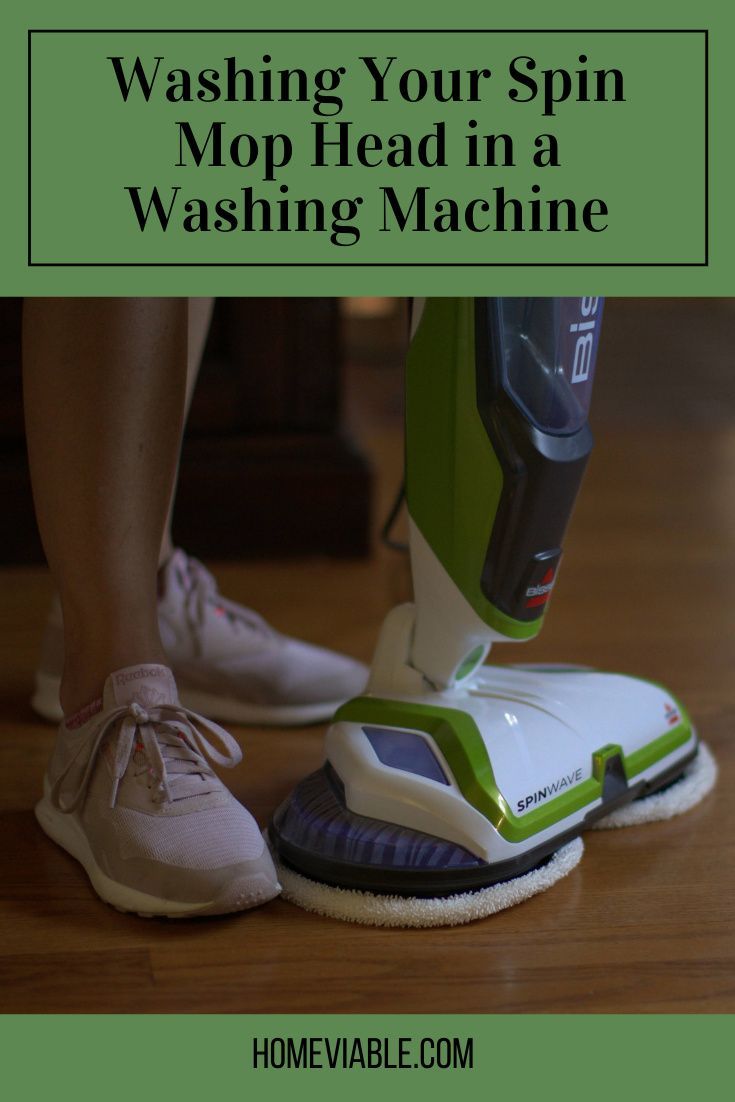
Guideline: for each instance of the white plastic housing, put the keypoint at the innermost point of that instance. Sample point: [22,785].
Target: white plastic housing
[541,729]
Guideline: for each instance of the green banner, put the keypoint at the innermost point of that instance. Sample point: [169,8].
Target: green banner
[380,148]
[230,152]
[193,1057]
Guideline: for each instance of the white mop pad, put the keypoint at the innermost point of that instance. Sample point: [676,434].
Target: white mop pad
[697,782]
[395,910]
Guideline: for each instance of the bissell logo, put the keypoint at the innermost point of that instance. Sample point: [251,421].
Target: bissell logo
[539,594]
[672,716]
[585,339]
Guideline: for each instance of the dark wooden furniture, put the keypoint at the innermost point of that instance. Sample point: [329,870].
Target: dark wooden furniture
[266,467]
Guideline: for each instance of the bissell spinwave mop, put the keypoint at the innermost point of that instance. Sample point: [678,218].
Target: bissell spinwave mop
[452,788]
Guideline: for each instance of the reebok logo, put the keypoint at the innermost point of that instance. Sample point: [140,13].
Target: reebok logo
[139,675]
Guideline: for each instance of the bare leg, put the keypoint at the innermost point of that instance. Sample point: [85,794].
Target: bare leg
[104,383]
[200,316]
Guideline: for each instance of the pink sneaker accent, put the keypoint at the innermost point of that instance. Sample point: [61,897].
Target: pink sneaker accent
[79,718]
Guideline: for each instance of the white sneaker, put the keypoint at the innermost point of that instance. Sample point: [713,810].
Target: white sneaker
[229,663]
[129,793]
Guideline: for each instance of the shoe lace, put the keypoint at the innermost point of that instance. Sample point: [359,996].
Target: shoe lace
[203,596]
[167,741]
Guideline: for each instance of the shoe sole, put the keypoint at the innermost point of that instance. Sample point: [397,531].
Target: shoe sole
[45,702]
[239,895]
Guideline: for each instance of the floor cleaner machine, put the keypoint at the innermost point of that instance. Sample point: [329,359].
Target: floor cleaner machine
[452,788]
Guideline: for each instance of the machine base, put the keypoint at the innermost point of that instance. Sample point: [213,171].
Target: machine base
[314,834]
[378,908]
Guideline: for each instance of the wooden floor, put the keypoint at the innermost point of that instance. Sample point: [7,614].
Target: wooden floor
[645,923]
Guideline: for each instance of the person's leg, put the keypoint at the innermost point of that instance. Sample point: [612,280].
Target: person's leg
[200,317]
[228,663]
[104,383]
[129,791]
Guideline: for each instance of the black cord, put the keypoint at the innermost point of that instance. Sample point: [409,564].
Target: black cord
[385,532]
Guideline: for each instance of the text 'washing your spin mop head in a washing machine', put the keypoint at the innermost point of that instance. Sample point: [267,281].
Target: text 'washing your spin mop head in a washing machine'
[367,112]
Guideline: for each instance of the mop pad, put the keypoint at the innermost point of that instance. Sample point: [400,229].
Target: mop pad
[369,909]
[698,780]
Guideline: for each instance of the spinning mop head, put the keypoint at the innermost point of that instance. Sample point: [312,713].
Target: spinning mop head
[370,909]
[374,909]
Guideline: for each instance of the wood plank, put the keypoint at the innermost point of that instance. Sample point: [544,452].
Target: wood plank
[54,983]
